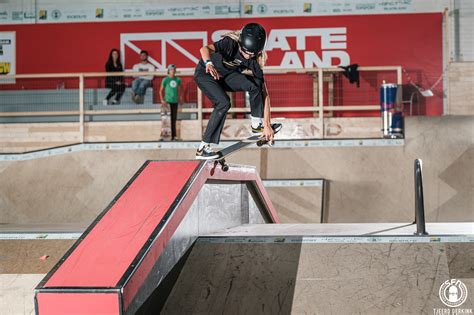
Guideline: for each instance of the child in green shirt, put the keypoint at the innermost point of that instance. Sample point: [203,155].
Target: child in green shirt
[171,92]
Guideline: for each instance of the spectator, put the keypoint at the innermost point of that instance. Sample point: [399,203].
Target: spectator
[116,84]
[173,92]
[140,84]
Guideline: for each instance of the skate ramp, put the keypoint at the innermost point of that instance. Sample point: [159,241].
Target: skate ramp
[133,244]
[321,269]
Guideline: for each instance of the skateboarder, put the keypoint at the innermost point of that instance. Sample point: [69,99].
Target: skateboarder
[171,92]
[220,70]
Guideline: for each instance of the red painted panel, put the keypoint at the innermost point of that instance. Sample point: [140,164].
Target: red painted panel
[209,172]
[78,303]
[138,278]
[103,256]
[413,41]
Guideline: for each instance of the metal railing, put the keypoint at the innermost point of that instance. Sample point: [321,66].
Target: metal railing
[419,200]
[323,95]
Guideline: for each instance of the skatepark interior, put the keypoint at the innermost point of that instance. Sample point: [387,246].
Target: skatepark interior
[99,217]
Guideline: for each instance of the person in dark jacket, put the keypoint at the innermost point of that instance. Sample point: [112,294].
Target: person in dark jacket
[220,71]
[116,84]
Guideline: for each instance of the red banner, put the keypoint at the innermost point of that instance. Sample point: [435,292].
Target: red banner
[413,41]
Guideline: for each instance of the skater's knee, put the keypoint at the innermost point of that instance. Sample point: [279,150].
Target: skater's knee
[222,108]
[223,103]
[255,86]
[144,85]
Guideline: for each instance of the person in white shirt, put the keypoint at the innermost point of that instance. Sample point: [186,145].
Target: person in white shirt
[140,84]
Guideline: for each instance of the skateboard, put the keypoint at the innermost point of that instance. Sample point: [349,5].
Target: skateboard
[165,134]
[236,147]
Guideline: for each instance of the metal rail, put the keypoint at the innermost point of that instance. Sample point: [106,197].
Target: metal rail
[419,200]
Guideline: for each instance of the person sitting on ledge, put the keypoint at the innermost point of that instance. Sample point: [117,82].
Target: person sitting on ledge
[116,84]
[140,84]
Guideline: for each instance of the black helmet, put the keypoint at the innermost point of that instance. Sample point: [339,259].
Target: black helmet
[252,38]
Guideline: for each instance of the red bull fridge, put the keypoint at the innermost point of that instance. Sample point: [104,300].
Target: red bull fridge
[391,111]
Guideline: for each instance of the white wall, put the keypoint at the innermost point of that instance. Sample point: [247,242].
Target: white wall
[462,30]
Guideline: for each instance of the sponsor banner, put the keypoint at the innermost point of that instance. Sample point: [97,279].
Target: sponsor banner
[142,11]
[87,13]
[14,13]
[7,56]
[262,8]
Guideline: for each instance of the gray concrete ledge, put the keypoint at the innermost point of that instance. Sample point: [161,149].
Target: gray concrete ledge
[346,229]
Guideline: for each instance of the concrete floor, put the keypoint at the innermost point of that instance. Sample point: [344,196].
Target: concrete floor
[16,293]
[21,269]
[294,270]
[317,278]
[238,270]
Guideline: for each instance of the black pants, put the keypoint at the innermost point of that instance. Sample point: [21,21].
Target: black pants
[118,89]
[174,117]
[216,92]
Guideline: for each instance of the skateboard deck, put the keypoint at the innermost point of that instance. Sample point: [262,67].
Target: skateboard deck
[258,139]
[165,134]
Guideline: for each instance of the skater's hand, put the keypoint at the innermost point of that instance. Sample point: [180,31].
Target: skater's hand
[212,71]
[268,133]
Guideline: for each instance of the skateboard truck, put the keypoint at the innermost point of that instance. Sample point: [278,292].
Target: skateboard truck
[236,147]
[264,142]
[222,163]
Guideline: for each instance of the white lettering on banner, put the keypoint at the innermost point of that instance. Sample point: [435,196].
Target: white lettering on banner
[291,60]
[311,59]
[333,46]
[277,40]
[331,38]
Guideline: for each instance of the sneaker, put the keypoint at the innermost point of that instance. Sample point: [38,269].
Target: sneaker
[259,129]
[115,102]
[207,153]
[105,102]
[138,99]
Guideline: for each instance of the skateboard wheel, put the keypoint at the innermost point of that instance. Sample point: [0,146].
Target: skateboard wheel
[225,167]
[261,143]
